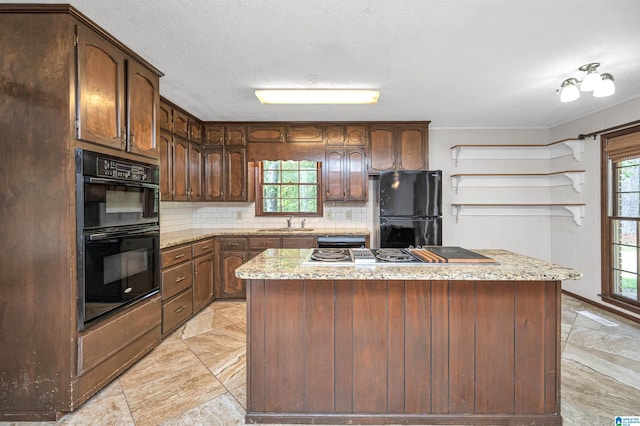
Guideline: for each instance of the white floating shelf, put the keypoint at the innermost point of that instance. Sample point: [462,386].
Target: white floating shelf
[574,178]
[574,147]
[576,211]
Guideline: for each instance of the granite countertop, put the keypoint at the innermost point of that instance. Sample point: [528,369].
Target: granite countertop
[287,264]
[175,238]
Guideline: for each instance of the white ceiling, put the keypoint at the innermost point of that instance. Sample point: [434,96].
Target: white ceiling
[457,63]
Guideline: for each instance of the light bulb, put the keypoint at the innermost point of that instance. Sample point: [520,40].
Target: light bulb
[605,87]
[569,91]
[591,81]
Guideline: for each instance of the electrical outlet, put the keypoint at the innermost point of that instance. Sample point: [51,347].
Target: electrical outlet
[348,215]
[239,215]
[329,214]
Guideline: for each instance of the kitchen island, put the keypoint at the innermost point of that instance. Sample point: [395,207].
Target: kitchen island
[424,344]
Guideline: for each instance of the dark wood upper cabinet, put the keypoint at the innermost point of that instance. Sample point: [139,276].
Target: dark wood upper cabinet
[398,147]
[180,123]
[382,149]
[265,133]
[235,135]
[195,130]
[165,117]
[355,174]
[356,136]
[305,133]
[165,148]
[213,174]
[235,174]
[101,88]
[118,97]
[143,101]
[180,169]
[333,182]
[335,136]
[213,134]
[196,169]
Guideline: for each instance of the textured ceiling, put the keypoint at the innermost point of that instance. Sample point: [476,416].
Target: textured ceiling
[458,63]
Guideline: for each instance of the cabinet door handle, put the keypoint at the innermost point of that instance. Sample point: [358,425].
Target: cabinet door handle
[178,256]
[232,244]
[204,247]
[180,309]
[133,138]
[182,278]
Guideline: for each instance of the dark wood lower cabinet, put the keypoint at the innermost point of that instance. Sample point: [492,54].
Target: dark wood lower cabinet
[406,352]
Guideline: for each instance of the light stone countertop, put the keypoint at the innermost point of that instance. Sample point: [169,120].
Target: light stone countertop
[287,264]
[175,238]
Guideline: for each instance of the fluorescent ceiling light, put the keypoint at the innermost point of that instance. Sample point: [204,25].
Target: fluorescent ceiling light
[320,96]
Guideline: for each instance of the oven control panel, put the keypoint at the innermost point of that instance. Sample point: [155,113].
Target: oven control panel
[118,169]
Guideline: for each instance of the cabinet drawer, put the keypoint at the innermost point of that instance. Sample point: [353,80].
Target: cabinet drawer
[233,243]
[202,247]
[97,344]
[176,311]
[176,279]
[298,242]
[264,242]
[177,255]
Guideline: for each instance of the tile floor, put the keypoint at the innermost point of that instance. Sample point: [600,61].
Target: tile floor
[197,375]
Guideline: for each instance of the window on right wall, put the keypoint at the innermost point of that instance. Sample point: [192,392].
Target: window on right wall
[621,218]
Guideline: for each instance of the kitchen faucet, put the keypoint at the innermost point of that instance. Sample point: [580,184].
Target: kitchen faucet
[289,222]
[302,224]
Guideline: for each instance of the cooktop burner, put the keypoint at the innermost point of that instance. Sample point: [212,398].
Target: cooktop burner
[394,255]
[331,255]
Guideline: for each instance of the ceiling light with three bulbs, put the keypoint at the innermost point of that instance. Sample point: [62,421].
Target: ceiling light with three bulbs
[600,84]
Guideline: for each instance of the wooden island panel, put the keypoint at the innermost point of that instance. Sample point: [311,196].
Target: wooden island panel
[411,352]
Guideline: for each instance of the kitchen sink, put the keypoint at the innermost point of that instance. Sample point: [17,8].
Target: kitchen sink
[285,230]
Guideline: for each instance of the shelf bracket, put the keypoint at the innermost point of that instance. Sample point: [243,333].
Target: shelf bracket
[577,212]
[458,212]
[457,152]
[577,179]
[576,147]
[457,180]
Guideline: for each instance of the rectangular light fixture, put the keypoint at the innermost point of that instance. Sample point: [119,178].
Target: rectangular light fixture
[317,96]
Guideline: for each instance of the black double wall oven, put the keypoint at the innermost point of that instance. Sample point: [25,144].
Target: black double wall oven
[118,234]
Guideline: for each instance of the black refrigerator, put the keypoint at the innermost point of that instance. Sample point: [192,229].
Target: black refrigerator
[410,208]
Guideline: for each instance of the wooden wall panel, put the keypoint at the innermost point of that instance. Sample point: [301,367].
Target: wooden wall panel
[344,346]
[396,346]
[494,347]
[285,373]
[529,372]
[439,347]
[461,347]
[318,349]
[369,347]
[552,316]
[418,347]
[255,345]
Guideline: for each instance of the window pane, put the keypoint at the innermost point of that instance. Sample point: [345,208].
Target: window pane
[290,206]
[286,183]
[308,206]
[271,165]
[625,284]
[271,205]
[308,176]
[271,176]
[290,165]
[632,162]
[308,191]
[625,232]
[628,205]
[289,191]
[626,258]
[290,176]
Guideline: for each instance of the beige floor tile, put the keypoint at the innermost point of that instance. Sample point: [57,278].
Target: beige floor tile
[240,394]
[230,367]
[111,409]
[222,410]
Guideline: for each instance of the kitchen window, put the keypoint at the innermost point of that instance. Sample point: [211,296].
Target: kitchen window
[285,188]
[621,218]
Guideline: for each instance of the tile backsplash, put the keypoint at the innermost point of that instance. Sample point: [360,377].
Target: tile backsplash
[176,216]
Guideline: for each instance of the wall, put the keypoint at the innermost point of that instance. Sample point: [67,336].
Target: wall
[528,235]
[175,216]
[580,247]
